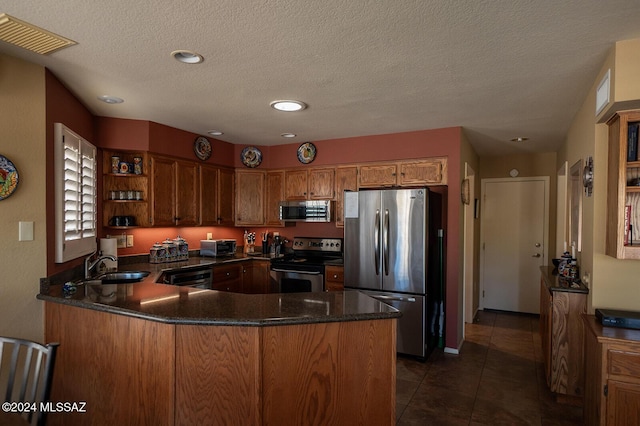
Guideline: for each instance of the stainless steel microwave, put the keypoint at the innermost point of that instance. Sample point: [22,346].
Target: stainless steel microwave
[306,211]
[217,248]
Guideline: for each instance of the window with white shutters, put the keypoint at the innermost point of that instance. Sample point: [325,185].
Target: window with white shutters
[76,195]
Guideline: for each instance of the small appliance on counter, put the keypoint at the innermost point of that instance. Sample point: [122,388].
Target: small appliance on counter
[216,248]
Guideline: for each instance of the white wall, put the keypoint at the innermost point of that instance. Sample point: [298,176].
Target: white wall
[22,264]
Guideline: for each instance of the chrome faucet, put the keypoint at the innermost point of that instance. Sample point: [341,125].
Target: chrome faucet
[89,265]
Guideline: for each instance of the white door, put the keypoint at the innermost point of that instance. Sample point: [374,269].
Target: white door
[514,228]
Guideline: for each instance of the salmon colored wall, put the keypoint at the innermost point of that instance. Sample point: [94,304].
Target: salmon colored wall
[61,107]
[362,149]
[141,135]
[119,133]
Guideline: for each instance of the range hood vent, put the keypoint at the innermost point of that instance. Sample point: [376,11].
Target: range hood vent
[30,37]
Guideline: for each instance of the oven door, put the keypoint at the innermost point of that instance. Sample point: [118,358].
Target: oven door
[295,281]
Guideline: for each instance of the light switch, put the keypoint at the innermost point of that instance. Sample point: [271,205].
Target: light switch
[25,231]
[129,240]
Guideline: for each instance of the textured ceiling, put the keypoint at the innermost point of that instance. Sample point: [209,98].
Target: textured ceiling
[500,69]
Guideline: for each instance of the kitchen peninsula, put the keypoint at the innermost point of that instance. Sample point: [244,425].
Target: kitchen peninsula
[147,353]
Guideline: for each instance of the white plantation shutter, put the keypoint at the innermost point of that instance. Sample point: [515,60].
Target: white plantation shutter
[76,197]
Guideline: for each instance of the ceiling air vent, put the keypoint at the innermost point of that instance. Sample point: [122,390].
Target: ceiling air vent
[30,37]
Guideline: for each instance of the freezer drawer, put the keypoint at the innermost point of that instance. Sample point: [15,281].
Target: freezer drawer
[411,325]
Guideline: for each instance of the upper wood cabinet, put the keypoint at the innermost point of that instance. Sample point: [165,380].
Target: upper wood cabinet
[421,172]
[174,192]
[216,195]
[430,171]
[346,180]
[275,194]
[321,186]
[623,189]
[250,197]
[377,175]
[314,184]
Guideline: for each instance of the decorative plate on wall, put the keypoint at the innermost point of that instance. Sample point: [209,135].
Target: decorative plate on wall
[251,156]
[202,148]
[306,152]
[8,177]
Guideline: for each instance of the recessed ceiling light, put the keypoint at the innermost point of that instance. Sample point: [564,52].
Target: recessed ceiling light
[187,56]
[110,99]
[288,105]
[215,132]
[288,135]
[519,139]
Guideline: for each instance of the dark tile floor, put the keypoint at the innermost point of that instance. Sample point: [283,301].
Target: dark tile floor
[497,379]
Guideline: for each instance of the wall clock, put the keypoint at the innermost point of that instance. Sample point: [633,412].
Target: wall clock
[202,148]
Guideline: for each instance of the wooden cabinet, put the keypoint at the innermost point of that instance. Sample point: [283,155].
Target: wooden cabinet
[256,279]
[228,277]
[250,197]
[314,184]
[612,380]
[346,180]
[321,186]
[187,208]
[174,192]
[334,278]
[418,173]
[275,193]
[377,175]
[623,188]
[216,195]
[125,194]
[430,171]
[561,331]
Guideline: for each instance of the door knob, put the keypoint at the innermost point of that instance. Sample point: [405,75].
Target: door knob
[536,255]
[537,244]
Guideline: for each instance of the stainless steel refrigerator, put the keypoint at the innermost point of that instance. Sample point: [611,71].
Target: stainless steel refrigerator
[391,240]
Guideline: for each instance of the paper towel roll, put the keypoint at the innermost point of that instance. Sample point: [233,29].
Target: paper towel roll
[109,246]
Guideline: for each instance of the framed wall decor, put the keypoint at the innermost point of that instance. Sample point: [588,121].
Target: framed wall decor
[8,178]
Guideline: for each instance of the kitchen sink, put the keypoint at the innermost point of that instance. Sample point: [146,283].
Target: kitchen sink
[121,277]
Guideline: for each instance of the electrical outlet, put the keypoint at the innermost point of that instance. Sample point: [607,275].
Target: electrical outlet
[122,241]
[209,235]
[129,240]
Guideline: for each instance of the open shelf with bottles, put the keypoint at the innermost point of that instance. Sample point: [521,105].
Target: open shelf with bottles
[623,187]
[125,187]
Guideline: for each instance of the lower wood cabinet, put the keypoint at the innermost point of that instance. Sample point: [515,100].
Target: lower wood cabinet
[256,279]
[612,379]
[133,371]
[228,277]
[561,331]
[334,278]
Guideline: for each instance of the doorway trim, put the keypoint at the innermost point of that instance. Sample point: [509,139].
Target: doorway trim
[470,283]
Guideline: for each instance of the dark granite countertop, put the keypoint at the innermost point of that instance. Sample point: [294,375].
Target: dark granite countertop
[187,305]
[556,283]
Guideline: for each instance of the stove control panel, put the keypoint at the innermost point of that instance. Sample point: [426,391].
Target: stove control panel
[317,244]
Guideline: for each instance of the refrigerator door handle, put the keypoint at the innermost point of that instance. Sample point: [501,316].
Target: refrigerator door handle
[385,234]
[376,242]
[394,298]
